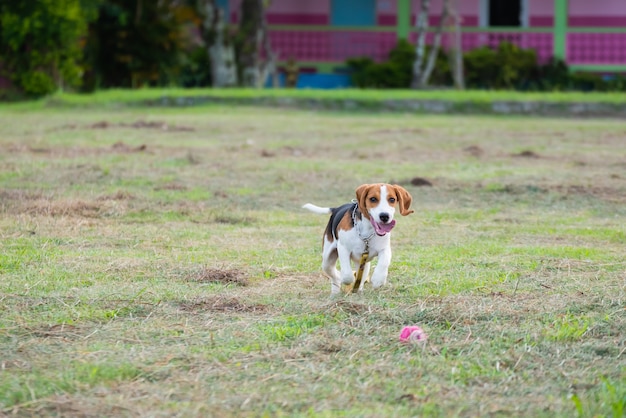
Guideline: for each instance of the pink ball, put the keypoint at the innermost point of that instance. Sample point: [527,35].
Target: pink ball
[412,334]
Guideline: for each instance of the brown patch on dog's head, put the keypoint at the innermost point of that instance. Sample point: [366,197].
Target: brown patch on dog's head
[403,198]
[367,196]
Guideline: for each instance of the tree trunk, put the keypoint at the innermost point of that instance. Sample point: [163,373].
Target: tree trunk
[221,52]
[250,30]
[422,27]
[434,50]
[456,52]
[269,67]
[257,57]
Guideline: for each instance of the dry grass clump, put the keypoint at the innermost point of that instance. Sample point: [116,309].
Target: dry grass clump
[222,304]
[36,203]
[221,275]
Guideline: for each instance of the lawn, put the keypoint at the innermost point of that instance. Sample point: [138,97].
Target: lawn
[354,94]
[157,262]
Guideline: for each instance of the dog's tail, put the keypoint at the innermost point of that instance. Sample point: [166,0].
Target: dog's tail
[317,209]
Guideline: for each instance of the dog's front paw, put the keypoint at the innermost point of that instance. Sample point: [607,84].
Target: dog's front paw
[378,281]
[347,280]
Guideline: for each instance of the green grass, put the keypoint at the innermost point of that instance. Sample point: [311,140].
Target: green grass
[148,271]
[115,98]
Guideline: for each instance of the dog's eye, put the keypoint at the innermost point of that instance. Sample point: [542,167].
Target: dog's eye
[373,199]
[392,200]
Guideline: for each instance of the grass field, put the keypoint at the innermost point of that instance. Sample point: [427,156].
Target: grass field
[115,97]
[156,262]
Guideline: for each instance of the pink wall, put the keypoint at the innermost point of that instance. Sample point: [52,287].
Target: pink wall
[597,13]
[540,12]
[468,9]
[300,7]
[289,12]
[386,9]
[581,13]
[597,7]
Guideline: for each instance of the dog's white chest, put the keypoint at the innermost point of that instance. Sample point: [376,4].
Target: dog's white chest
[357,245]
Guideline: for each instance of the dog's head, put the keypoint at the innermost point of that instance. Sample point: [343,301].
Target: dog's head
[378,202]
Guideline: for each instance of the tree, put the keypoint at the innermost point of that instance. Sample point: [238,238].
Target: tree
[137,42]
[40,43]
[455,51]
[256,57]
[422,27]
[218,43]
[423,70]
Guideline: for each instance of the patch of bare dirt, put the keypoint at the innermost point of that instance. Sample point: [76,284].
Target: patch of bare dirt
[118,147]
[119,195]
[399,131]
[171,186]
[70,406]
[329,347]
[346,306]
[286,151]
[607,193]
[221,304]
[267,154]
[602,192]
[140,124]
[62,331]
[526,154]
[420,181]
[122,147]
[37,204]
[234,220]
[77,207]
[219,275]
[415,181]
[19,195]
[474,151]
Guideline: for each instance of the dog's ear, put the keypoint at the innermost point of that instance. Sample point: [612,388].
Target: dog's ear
[404,200]
[361,195]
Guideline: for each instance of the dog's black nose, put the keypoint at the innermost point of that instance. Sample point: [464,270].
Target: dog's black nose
[384,217]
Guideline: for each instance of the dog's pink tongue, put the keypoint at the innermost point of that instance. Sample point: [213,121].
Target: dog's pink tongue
[381,228]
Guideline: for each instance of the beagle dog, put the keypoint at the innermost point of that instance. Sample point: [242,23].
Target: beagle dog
[363,226]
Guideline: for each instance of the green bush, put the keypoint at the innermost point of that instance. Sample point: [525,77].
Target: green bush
[587,82]
[394,73]
[196,69]
[40,43]
[505,67]
[553,75]
[616,83]
[481,68]
[358,68]
[397,71]
[36,83]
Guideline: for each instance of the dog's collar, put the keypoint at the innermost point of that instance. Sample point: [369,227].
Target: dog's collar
[357,225]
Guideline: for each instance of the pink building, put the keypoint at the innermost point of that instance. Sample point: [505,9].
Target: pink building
[590,35]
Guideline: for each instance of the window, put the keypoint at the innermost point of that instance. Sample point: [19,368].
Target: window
[353,12]
[513,13]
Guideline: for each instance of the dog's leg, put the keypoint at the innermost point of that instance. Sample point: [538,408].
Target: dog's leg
[379,277]
[345,265]
[329,267]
